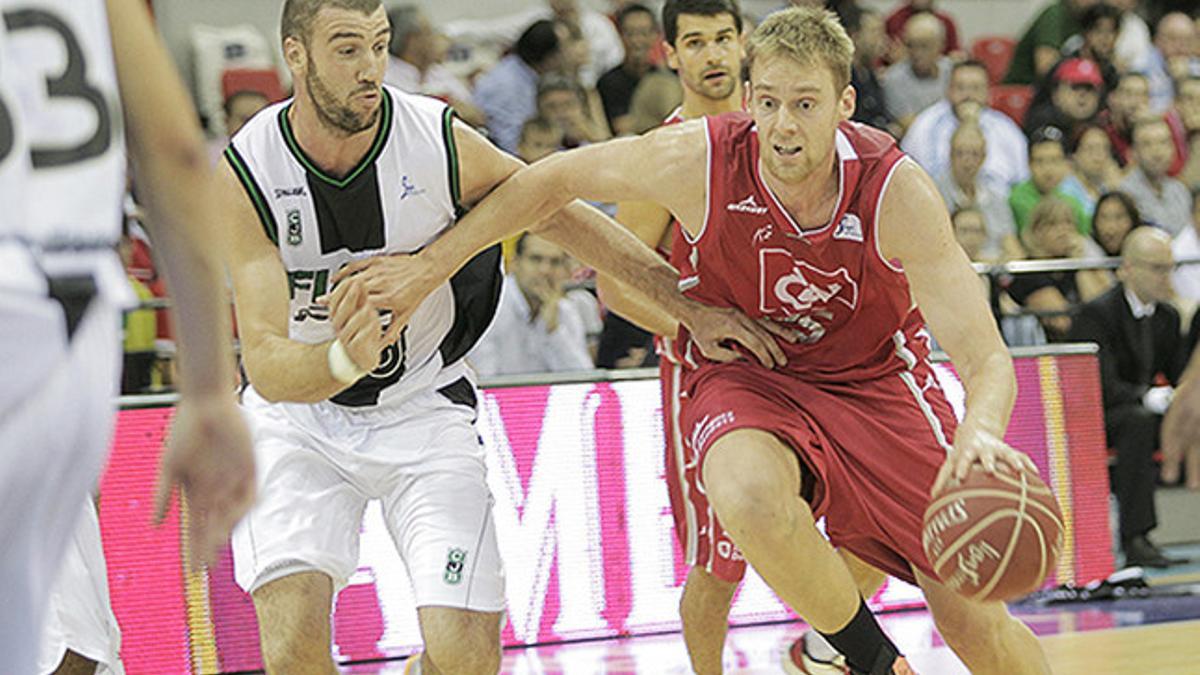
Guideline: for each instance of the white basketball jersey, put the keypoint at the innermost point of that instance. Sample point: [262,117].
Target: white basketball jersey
[14,146]
[398,198]
[62,88]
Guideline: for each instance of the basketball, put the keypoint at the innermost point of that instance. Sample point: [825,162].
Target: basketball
[993,537]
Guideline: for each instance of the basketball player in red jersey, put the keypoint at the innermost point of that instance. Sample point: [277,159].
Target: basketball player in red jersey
[702,40]
[794,214]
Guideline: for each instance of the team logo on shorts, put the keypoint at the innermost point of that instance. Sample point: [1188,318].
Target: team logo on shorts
[293,223]
[456,559]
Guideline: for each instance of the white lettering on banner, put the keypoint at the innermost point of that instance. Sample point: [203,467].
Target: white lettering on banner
[552,521]
[648,509]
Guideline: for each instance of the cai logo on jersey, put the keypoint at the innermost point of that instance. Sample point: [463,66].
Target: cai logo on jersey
[796,291]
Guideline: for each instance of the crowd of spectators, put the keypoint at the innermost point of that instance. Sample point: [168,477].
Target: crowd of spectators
[1090,182]
[1104,139]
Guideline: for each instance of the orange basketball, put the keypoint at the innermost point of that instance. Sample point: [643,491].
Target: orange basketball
[993,537]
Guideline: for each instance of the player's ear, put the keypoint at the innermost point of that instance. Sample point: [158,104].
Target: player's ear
[848,102]
[295,54]
[672,57]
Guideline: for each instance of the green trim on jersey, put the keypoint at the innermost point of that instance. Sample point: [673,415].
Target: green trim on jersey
[265,216]
[452,161]
[381,136]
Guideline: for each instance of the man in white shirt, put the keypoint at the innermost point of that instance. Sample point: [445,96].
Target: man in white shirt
[417,51]
[1161,200]
[915,83]
[536,330]
[928,139]
[1186,245]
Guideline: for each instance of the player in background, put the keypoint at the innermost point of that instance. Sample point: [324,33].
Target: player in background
[63,139]
[797,214]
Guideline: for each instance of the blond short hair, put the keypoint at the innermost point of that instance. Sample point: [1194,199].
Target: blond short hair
[807,35]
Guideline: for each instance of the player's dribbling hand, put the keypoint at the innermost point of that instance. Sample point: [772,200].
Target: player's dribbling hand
[973,445]
[712,326]
[209,456]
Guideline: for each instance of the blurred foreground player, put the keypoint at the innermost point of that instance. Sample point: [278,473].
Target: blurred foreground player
[346,407]
[62,178]
[795,214]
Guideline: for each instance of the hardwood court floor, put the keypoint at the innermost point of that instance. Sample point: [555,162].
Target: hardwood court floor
[1162,649]
[1159,636]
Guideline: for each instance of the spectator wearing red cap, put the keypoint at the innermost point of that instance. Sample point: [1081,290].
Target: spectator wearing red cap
[1074,98]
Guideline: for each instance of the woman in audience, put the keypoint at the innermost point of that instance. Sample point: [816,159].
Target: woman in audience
[1116,215]
[1053,234]
[1093,169]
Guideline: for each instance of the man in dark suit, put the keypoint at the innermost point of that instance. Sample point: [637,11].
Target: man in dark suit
[1139,338]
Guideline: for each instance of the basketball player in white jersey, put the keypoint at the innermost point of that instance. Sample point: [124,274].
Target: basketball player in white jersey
[342,411]
[62,166]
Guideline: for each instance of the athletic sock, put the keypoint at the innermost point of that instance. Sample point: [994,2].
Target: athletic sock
[867,649]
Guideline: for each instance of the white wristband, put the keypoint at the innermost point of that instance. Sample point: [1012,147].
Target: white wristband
[341,366]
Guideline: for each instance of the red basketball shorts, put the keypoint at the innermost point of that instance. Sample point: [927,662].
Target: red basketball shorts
[703,542]
[872,450]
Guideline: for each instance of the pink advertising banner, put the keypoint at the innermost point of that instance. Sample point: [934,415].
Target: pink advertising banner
[582,517]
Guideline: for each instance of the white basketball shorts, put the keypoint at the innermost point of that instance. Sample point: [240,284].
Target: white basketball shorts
[80,617]
[319,465]
[57,405]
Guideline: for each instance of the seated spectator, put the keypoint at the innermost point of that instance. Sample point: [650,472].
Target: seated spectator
[1187,109]
[507,93]
[240,106]
[898,19]
[1039,48]
[1130,102]
[865,27]
[1116,216]
[1139,338]
[499,33]
[563,102]
[656,98]
[1047,168]
[962,188]
[536,329]
[1133,36]
[1187,246]
[639,32]
[928,139]
[970,230]
[416,63]
[576,58]
[1074,99]
[1174,56]
[539,137]
[918,81]
[1096,42]
[1093,169]
[1053,233]
[1162,200]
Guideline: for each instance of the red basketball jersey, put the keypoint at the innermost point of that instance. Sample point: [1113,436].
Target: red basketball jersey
[831,284]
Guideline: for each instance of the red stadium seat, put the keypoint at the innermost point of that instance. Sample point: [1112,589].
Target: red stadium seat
[1012,100]
[262,80]
[995,51]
